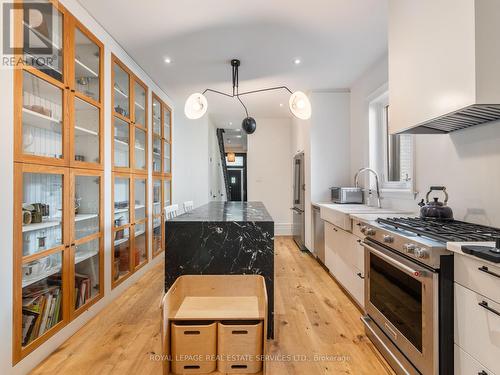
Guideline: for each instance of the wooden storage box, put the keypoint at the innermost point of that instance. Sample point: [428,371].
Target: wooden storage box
[217,298]
[239,347]
[194,348]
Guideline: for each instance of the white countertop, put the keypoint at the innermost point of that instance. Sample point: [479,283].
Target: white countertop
[456,247]
[367,218]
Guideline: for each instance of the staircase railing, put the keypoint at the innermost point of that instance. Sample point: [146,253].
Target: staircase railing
[220,139]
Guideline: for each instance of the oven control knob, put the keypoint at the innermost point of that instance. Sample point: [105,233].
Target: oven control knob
[363,229]
[388,238]
[370,232]
[421,253]
[409,248]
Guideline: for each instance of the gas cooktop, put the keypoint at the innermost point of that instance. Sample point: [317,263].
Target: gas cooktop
[443,231]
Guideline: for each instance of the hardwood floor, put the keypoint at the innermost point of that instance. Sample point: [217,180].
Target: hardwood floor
[313,318]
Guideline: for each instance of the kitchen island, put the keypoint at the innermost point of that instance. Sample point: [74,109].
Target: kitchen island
[222,238]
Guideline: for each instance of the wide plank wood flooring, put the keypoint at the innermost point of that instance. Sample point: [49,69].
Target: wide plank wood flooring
[318,330]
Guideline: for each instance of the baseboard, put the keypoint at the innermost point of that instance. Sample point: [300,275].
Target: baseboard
[283,229]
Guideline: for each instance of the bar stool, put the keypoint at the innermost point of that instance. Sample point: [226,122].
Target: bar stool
[188,206]
[171,211]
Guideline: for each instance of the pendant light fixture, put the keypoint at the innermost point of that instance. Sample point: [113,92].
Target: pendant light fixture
[196,105]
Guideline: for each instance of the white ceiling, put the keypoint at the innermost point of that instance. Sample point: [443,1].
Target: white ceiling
[336,41]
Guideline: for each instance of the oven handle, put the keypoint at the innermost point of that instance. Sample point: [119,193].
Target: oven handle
[394,262]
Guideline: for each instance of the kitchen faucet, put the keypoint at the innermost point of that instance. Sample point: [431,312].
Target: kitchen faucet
[356,182]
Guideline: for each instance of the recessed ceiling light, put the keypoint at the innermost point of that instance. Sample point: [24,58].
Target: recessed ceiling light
[238,136]
[229,141]
[297,61]
[281,104]
[230,123]
[168,60]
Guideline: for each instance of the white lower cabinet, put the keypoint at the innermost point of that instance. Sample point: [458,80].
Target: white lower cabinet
[466,365]
[477,327]
[344,258]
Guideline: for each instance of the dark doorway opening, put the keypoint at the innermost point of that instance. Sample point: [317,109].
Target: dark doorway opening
[237,176]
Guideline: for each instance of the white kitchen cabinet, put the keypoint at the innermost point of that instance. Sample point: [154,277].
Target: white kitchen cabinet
[479,276]
[466,365]
[440,58]
[345,261]
[477,329]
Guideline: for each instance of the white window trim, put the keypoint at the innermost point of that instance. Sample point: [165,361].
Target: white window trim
[378,148]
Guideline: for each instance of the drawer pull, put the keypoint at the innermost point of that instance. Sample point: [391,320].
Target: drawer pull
[240,332]
[482,372]
[191,367]
[484,305]
[239,366]
[360,275]
[486,270]
[191,332]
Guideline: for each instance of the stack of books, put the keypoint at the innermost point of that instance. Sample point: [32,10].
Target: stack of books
[82,290]
[41,308]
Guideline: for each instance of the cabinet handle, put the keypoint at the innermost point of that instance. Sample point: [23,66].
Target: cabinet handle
[358,240]
[484,305]
[482,372]
[360,275]
[335,229]
[486,270]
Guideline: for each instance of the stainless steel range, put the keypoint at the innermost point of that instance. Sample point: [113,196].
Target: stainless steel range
[409,290]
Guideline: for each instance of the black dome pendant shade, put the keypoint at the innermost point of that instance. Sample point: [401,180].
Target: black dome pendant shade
[249,125]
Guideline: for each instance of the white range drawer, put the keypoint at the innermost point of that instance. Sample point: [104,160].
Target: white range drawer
[478,276]
[477,329]
[466,365]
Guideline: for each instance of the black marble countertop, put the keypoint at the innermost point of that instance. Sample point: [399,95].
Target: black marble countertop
[226,212]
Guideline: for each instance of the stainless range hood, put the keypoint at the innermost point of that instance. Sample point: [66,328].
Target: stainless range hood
[444,65]
[476,114]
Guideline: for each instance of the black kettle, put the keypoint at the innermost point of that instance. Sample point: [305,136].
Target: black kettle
[436,210]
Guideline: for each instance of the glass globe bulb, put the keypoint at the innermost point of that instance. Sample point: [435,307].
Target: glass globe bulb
[300,106]
[196,106]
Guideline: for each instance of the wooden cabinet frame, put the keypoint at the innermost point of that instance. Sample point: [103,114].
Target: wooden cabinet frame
[69,93]
[130,225]
[163,137]
[132,79]
[65,166]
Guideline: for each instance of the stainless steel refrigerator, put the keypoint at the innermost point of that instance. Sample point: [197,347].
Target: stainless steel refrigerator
[298,201]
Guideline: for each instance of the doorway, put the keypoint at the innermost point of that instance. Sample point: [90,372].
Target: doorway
[237,176]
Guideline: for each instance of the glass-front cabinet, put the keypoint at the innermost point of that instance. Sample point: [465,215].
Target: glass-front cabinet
[158,216]
[162,138]
[130,130]
[58,104]
[57,249]
[58,163]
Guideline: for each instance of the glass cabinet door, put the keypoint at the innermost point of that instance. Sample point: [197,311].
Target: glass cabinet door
[42,212]
[86,132]
[42,296]
[166,157]
[121,91]
[166,191]
[140,188]
[121,255]
[87,283]
[42,118]
[140,149]
[157,208]
[156,117]
[86,201]
[140,245]
[121,143]
[87,66]
[121,201]
[157,235]
[166,123]
[43,40]
[156,154]
[139,105]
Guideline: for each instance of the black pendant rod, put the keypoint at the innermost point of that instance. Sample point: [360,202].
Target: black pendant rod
[235,76]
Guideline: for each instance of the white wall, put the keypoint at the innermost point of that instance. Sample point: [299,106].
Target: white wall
[269,170]
[325,142]
[466,162]
[190,178]
[190,182]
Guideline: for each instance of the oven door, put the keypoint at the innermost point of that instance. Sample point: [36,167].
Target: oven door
[401,298]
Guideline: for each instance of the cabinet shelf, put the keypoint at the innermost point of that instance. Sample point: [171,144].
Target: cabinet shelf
[42,225]
[86,256]
[85,131]
[125,96]
[82,69]
[41,276]
[39,120]
[120,241]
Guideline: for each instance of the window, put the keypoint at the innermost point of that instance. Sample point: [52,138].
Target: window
[391,155]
